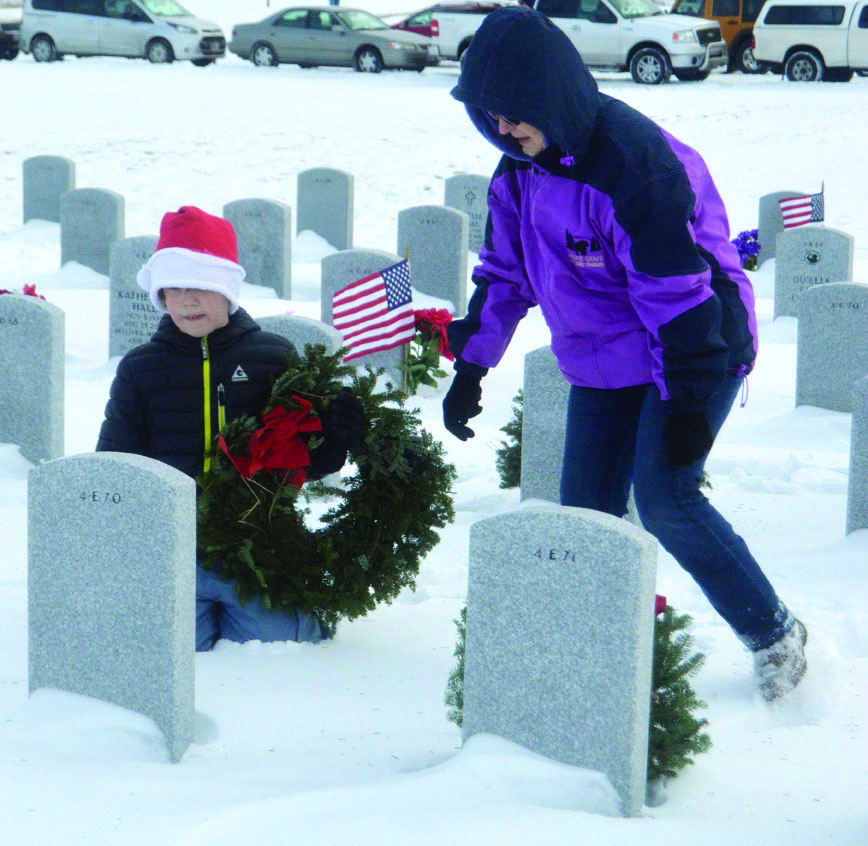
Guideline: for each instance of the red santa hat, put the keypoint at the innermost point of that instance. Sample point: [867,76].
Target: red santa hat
[195,250]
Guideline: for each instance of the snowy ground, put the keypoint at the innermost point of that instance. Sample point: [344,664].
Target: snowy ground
[348,741]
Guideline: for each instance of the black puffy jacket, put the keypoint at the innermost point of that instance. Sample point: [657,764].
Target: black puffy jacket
[165,394]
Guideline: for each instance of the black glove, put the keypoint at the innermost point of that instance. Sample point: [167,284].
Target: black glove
[342,423]
[461,403]
[688,438]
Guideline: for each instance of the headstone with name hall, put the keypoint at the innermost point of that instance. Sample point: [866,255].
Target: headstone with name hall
[132,318]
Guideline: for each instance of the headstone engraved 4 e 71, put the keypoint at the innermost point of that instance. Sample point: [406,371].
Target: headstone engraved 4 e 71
[771,222]
[132,318]
[263,229]
[857,484]
[560,624]
[300,331]
[831,344]
[339,270]
[111,591]
[808,256]
[32,372]
[468,192]
[324,205]
[91,219]
[44,179]
[434,238]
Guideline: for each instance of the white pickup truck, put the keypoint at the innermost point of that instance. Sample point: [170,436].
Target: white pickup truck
[812,40]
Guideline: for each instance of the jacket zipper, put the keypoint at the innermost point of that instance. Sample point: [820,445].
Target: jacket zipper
[206,382]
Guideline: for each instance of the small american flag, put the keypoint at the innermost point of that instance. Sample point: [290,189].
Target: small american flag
[797,211]
[376,313]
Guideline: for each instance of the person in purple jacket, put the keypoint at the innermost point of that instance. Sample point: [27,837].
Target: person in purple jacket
[616,231]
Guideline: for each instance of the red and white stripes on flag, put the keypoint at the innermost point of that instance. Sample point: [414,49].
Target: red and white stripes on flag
[797,211]
[376,313]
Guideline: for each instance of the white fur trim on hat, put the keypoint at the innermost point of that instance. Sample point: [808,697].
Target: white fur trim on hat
[178,267]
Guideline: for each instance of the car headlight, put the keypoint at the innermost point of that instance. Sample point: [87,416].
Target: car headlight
[684,36]
[182,28]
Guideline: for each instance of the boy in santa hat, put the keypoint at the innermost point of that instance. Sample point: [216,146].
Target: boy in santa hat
[210,362]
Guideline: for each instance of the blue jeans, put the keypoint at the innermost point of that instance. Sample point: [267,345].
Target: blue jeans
[219,614]
[615,437]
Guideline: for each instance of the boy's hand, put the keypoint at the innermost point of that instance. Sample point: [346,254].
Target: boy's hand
[342,420]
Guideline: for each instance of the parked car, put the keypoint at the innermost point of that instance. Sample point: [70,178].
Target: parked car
[812,40]
[636,35]
[159,30]
[329,35]
[450,25]
[10,22]
[736,18]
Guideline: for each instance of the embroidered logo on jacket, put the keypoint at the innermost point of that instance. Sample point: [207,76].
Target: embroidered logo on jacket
[239,375]
[583,251]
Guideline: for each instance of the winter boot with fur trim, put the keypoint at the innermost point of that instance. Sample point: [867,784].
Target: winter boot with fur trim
[780,667]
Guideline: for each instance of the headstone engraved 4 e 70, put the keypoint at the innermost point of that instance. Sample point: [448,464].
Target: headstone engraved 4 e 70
[560,625]
[111,592]
[468,192]
[857,484]
[91,219]
[771,222]
[324,205]
[831,344]
[44,180]
[132,318]
[32,372]
[808,256]
[435,240]
[263,229]
[300,331]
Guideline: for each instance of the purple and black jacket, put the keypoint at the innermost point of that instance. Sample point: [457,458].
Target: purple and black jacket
[615,230]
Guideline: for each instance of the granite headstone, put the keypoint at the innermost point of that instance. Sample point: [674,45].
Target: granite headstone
[831,344]
[857,484]
[111,590]
[132,318]
[44,179]
[32,373]
[263,229]
[91,219]
[807,256]
[434,238]
[300,331]
[324,205]
[771,222]
[468,192]
[559,638]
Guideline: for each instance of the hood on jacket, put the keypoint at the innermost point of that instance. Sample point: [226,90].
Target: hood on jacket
[521,65]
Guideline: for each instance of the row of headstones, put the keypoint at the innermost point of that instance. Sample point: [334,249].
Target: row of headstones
[111,614]
[544,410]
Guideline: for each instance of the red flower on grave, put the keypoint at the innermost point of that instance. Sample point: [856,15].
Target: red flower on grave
[659,604]
[432,322]
[30,291]
[278,444]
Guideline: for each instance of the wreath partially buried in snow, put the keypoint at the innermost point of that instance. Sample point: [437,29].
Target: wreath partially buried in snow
[253,521]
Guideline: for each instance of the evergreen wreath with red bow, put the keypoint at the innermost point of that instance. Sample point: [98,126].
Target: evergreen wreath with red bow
[253,523]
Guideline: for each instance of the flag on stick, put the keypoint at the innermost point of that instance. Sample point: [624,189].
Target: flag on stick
[797,211]
[376,313]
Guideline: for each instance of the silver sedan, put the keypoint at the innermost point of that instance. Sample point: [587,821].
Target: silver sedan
[328,35]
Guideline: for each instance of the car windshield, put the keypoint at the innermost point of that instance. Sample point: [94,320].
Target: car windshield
[357,19]
[636,8]
[166,9]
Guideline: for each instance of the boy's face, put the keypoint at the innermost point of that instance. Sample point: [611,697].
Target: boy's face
[195,312]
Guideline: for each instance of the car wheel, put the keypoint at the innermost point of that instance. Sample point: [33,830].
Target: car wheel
[43,49]
[691,75]
[159,52]
[837,74]
[263,56]
[650,66]
[202,63]
[9,54]
[368,60]
[745,61]
[804,67]
[462,47]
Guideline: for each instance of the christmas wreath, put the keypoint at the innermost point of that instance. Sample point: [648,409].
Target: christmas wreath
[253,517]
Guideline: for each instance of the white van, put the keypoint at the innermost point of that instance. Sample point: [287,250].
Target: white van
[159,30]
[812,40]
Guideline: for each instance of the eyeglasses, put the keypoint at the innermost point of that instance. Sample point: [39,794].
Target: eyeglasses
[497,118]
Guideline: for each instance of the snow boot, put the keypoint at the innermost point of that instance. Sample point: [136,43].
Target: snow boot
[781,666]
